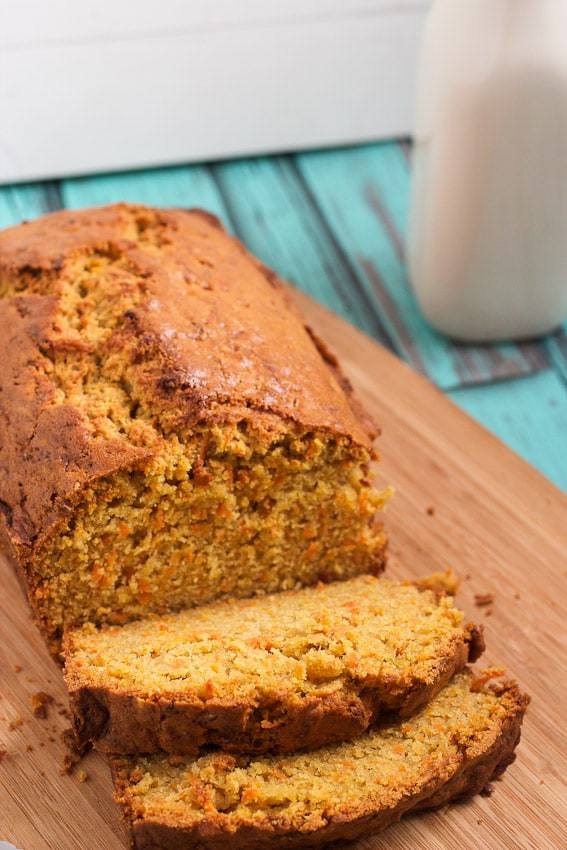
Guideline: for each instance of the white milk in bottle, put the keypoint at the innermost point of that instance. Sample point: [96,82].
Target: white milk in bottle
[488,230]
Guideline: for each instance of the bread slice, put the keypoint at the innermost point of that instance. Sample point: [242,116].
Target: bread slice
[171,430]
[281,672]
[450,749]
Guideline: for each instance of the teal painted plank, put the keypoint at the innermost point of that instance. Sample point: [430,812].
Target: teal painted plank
[27,201]
[277,219]
[529,414]
[186,186]
[363,193]
[346,187]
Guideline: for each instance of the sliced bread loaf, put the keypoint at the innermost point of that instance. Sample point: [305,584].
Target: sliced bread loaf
[280,672]
[450,749]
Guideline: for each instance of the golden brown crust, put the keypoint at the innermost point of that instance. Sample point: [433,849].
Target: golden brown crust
[209,338]
[127,724]
[477,765]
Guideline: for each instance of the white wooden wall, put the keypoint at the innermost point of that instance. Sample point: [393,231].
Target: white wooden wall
[98,85]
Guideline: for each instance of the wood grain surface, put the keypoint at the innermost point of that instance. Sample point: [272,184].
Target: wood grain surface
[463,501]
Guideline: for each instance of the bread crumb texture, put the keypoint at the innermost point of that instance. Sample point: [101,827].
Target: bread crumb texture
[173,431]
[456,742]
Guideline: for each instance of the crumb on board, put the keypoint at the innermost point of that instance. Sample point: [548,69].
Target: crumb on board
[17,668]
[82,775]
[74,753]
[15,722]
[62,709]
[39,702]
[445,582]
[482,599]
[3,752]
[430,510]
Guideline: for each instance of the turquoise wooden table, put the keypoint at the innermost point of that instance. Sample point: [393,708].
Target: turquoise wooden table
[334,223]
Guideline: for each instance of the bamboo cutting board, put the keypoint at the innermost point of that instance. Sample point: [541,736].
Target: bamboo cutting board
[463,501]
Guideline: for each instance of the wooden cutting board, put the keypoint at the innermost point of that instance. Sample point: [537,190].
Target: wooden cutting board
[463,501]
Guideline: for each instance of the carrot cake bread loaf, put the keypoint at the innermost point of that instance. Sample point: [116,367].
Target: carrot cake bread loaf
[171,431]
[281,672]
[450,749]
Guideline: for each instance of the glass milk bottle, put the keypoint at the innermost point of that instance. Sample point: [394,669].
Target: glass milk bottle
[488,229]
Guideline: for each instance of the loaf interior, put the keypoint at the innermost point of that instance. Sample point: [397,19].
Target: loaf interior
[155,539]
